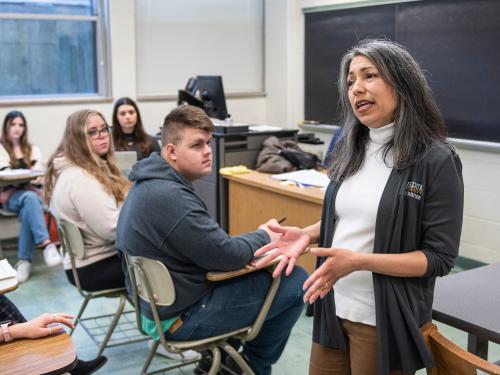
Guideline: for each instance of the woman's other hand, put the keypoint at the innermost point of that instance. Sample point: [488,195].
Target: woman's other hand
[290,243]
[340,262]
[44,325]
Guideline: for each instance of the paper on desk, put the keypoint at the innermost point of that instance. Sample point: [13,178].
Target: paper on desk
[264,128]
[306,177]
[6,270]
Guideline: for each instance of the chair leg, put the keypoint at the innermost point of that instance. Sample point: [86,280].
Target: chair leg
[216,359]
[150,356]
[243,365]
[80,313]
[113,324]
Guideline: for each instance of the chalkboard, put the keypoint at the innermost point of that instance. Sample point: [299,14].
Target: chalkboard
[457,43]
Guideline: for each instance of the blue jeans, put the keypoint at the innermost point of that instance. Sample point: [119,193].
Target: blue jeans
[28,205]
[235,303]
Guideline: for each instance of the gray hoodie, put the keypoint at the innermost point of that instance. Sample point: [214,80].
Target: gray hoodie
[164,219]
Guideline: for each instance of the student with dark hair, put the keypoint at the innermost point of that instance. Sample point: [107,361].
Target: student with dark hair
[17,152]
[163,218]
[128,131]
[391,221]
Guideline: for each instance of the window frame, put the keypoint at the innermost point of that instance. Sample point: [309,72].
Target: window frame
[103,59]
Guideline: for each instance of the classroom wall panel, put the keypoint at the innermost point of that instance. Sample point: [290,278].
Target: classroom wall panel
[481,228]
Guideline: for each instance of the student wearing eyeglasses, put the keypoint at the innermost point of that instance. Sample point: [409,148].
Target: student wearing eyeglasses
[84,185]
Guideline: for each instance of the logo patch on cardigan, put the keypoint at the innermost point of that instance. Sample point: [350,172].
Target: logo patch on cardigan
[414,190]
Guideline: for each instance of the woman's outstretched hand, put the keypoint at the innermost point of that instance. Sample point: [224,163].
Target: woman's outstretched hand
[291,243]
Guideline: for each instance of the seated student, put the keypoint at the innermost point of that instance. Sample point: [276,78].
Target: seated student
[163,218]
[13,326]
[84,185]
[17,152]
[128,131]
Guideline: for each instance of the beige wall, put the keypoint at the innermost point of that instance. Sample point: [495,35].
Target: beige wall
[481,228]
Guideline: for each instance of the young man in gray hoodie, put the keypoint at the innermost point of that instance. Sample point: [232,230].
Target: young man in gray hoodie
[163,218]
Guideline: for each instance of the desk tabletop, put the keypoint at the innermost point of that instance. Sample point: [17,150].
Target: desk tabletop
[264,181]
[470,301]
[19,178]
[48,355]
[8,285]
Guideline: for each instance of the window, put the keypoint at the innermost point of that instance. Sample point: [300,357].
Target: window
[179,39]
[53,48]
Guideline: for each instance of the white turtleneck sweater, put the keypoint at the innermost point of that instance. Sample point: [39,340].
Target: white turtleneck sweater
[356,207]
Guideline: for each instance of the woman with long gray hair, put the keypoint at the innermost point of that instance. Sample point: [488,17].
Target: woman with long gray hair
[391,221]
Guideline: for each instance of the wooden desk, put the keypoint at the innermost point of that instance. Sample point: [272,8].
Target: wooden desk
[48,355]
[470,301]
[254,198]
[8,285]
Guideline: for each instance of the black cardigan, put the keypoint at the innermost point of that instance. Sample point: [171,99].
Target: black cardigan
[421,208]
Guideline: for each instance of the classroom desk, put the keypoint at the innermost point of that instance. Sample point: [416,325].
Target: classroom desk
[254,198]
[8,285]
[470,301]
[19,179]
[54,354]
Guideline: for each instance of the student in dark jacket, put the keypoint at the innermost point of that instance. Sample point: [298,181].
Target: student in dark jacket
[128,131]
[163,218]
[391,220]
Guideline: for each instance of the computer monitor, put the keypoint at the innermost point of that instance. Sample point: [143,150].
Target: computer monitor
[211,92]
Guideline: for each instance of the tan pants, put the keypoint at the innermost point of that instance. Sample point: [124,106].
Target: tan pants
[361,359]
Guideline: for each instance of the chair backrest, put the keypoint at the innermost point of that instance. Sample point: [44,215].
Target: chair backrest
[150,281]
[155,274]
[451,359]
[73,241]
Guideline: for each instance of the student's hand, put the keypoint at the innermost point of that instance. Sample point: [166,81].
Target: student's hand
[340,263]
[274,236]
[41,326]
[290,244]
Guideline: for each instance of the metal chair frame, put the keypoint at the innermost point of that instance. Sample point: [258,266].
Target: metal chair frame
[146,281]
[72,243]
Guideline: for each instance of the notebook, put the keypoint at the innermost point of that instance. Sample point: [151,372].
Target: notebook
[6,270]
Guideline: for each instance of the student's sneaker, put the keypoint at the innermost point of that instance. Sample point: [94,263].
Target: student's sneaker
[187,355]
[23,268]
[51,255]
